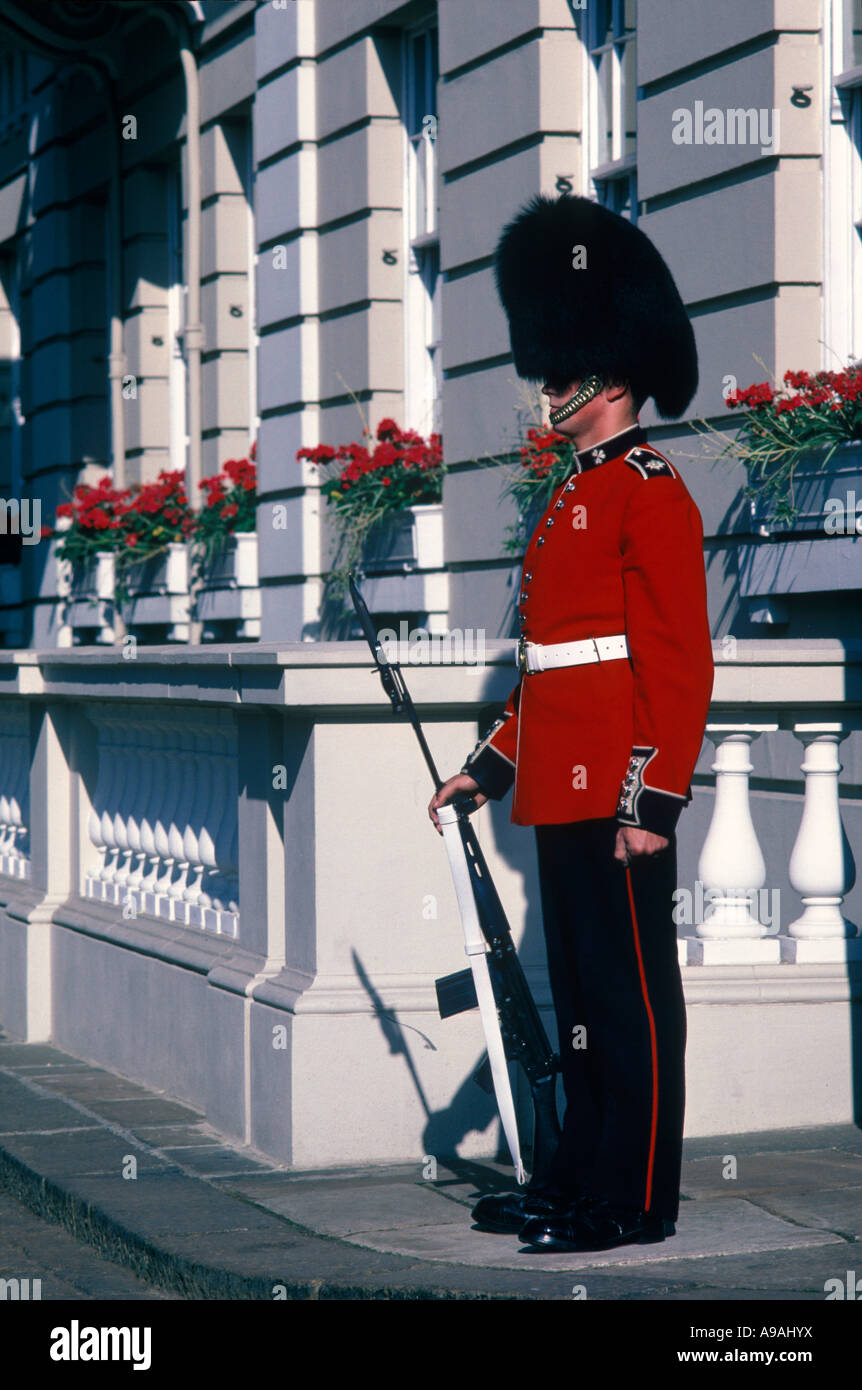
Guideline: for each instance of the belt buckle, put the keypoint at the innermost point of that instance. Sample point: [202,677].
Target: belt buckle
[522,657]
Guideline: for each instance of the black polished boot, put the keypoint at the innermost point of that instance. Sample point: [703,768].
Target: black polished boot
[504,1213]
[595,1225]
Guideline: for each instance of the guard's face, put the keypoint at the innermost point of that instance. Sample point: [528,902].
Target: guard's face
[594,415]
[559,393]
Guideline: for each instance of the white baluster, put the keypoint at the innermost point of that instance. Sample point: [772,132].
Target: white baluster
[731,867]
[96,876]
[21,803]
[165,818]
[230,861]
[11,756]
[200,815]
[16,769]
[211,881]
[150,817]
[822,869]
[219,892]
[204,812]
[182,836]
[233,868]
[136,816]
[109,750]
[6,829]
[127,793]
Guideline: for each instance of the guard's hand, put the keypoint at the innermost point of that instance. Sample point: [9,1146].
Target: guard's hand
[462,782]
[635,844]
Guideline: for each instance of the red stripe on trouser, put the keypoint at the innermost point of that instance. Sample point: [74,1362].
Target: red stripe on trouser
[653,1045]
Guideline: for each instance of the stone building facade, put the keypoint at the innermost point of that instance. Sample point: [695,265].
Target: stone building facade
[322,245]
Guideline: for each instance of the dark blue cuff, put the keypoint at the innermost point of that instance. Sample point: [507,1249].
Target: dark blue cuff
[657,812]
[493,772]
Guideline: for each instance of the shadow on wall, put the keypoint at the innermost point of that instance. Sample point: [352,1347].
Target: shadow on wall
[470,1109]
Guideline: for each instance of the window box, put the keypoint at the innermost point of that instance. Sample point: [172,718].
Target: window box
[89,606]
[403,566]
[406,541]
[826,559]
[166,573]
[235,565]
[94,580]
[228,600]
[158,593]
[818,490]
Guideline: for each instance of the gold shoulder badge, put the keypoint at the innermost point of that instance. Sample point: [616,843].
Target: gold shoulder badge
[649,463]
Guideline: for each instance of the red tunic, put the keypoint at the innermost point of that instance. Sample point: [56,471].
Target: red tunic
[619,550]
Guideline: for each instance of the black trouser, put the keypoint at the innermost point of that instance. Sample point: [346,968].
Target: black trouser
[614,972]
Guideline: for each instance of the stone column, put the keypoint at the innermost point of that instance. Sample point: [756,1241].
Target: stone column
[288,308]
[53,859]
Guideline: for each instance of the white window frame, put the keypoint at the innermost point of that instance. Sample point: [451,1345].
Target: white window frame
[421,281]
[842,189]
[110,252]
[16,405]
[177,295]
[12,256]
[249,177]
[612,182]
[10,347]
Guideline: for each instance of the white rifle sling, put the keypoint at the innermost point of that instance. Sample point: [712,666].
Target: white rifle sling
[477,953]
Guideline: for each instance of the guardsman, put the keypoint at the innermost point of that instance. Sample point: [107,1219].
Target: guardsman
[600,737]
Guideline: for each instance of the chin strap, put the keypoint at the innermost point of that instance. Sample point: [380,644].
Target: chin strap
[586,392]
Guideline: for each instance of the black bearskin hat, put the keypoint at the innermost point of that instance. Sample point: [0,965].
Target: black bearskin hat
[619,316]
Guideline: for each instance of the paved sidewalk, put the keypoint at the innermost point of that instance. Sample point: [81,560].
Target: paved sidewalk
[209,1220]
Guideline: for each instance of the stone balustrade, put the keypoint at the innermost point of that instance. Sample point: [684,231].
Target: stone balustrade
[731,866]
[14,789]
[163,823]
[733,871]
[217,875]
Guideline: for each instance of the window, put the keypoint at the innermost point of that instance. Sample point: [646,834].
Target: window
[11,440]
[240,345]
[178,441]
[11,416]
[855,37]
[422,250]
[13,89]
[853,295]
[248,183]
[611,95]
[240,144]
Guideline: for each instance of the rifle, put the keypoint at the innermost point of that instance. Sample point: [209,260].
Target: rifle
[524,1039]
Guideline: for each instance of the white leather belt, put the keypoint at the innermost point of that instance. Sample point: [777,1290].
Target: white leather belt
[536,656]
